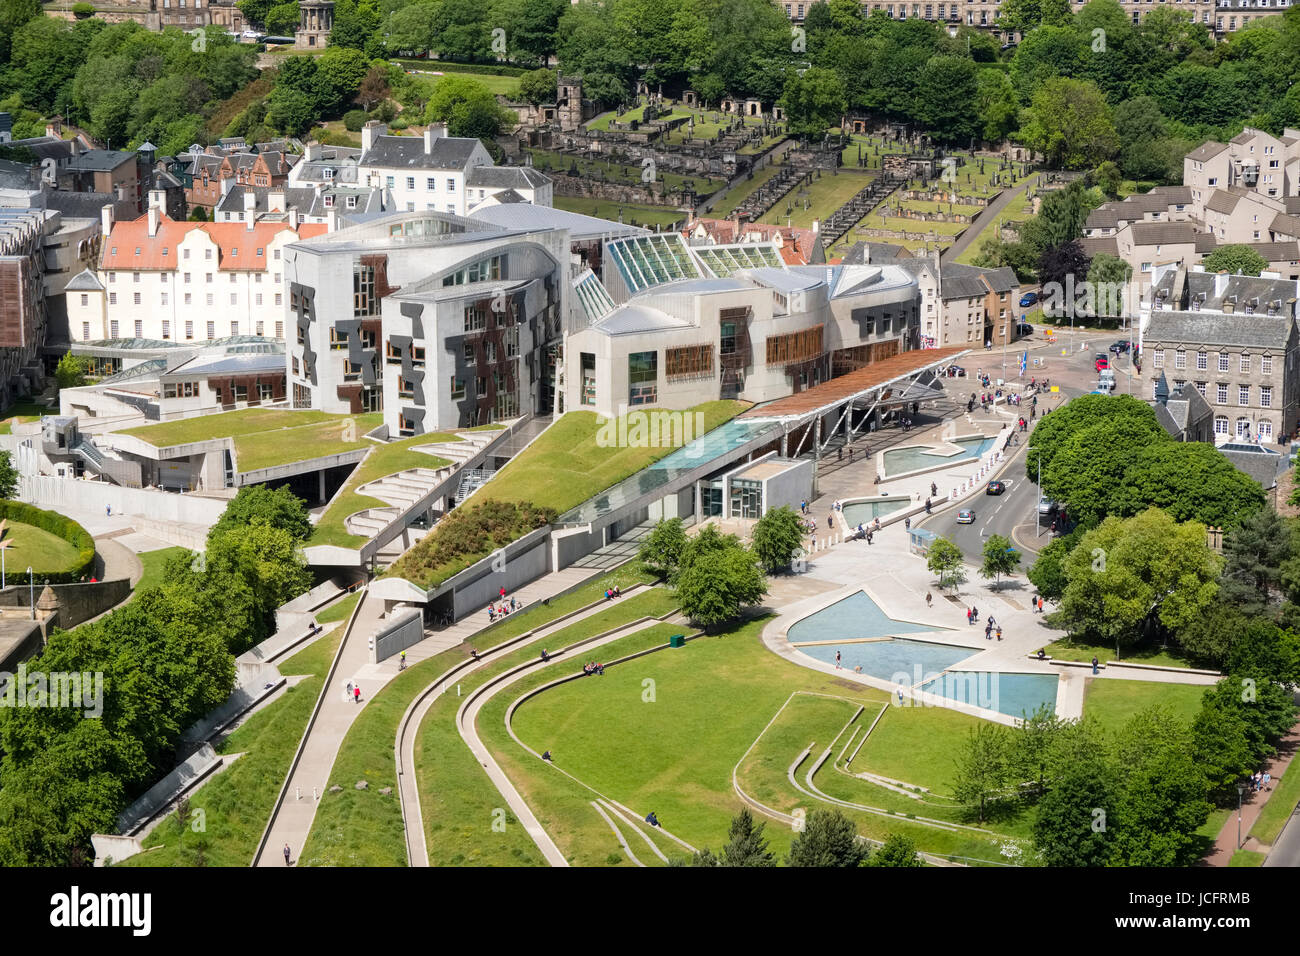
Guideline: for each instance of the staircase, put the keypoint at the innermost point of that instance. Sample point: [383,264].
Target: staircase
[472,481]
[853,211]
[402,489]
[124,473]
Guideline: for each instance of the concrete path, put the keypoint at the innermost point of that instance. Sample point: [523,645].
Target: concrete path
[987,215]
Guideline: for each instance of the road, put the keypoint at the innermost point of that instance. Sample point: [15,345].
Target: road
[1014,513]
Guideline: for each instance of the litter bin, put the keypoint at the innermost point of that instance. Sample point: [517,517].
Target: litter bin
[677,640]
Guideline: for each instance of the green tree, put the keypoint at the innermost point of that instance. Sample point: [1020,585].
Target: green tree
[1054,431]
[947,99]
[1070,123]
[1107,271]
[1076,820]
[1236,259]
[982,773]
[13,15]
[1108,178]
[339,73]
[1029,754]
[538,86]
[897,850]
[828,839]
[662,549]
[714,586]
[813,102]
[746,844]
[1254,554]
[777,538]
[71,371]
[996,105]
[290,111]
[467,107]
[1047,573]
[1192,481]
[260,505]
[945,559]
[8,475]
[283,19]
[999,558]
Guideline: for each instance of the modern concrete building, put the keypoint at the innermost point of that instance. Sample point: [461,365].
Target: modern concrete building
[1234,339]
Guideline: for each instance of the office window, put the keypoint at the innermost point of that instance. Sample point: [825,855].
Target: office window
[234,298]
[1223,361]
[1221,394]
[112,329]
[1243,394]
[475,318]
[1202,361]
[643,378]
[1266,364]
[212,330]
[1266,396]
[85,299]
[417,357]
[85,331]
[112,298]
[166,329]
[469,351]
[451,185]
[139,329]
[278,300]
[164,277]
[164,298]
[1245,362]
[258,329]
[431,183]
[135,276]
[410,182]
[457,384]
[338,340]
[209,278]
[1180,359]
[234,328]
[188,298]
[210,298]
[135,298]
[207,253]
[1200,387]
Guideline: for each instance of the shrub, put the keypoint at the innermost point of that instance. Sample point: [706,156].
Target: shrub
[60,526]
[353,120]
[83,10]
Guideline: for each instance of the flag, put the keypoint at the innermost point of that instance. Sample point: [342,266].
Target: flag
[1024,361]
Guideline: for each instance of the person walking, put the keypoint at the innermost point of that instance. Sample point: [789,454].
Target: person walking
[907,524]
[1040,604]
[349,688]
[927,505]
[286,854]
[837,660]
[928,598]
[988,632]
[999,632]
[934,489]
[356,694]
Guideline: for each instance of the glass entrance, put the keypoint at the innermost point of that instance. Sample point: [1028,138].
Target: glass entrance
[711,495]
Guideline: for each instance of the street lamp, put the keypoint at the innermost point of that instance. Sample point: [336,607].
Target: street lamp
[31,592]
[1241,792]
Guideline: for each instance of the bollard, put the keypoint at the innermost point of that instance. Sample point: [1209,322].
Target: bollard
[315,792]
[299,790]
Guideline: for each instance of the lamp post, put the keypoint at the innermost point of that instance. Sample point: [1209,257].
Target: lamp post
[1241,791]
[31,592]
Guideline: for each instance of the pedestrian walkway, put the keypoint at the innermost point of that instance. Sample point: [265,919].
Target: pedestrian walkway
[1225,845]
[292,822]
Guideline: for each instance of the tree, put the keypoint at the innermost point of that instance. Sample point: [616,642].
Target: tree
[662,549]
[996,105]
[1070,123]
[746,845]
[828,839]
[1065,267]
[1108,178]
[1130,577]
[1192,481]
[1236,259]
[467,107]
[339,74]
[356,26]
[1054,431]
[1032,742]
[71,371]
[260,505]
[1088,472]
[1076,819]
[777,538]
[1047,573]
[1109,272]
[999,558]
[1253,556]
[13,15]
[8,475]
[945,559]
[1021,16]
[813,102]
[198,214]
[947,93]
[283,19]
[374,88]
[897,850]
[290,111]
[713,587]
[538,86]
[981,768]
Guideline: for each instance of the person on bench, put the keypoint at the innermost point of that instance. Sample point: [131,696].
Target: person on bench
[651,819]
[545,656]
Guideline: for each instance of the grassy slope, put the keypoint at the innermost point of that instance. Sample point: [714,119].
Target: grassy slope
[42,551]
[567,465]
[1115,702]
[237,802]
[825,195]
[382,460]
[224,425]
[1281,803]
[363,827]
[1070,650]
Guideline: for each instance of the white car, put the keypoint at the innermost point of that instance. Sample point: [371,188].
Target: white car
[1046,505]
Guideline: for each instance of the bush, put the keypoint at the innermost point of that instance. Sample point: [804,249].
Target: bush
[60,526]
[83,10]
[353,120]
[465,536]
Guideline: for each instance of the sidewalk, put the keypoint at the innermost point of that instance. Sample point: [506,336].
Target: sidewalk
[1225,845]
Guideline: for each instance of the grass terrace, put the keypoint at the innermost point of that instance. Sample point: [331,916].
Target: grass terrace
[1018,210]
[1069,650]
[42,551]
[264,437]
[1281,803]
[1115,702]
[823,198]
[651,217]
[385,459]
[22,412]
[734,197]
[567,465]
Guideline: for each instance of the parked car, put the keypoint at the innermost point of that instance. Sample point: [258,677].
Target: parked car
[995,488]
[1028,299]
[1102,361]
[1046,505]
[966,516]
[1120,347]
[1023,329]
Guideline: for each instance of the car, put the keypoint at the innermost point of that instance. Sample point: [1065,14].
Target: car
[966,516]
[1028,299]
[1023,329]
[995,488]
[1101,362]
[1046,505]
[1121,347]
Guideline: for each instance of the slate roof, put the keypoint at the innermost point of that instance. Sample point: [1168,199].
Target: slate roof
[1096,244]
[1162,233]
[1206,151]
[101,160]
[448,152]
[507,177]
[1216,328]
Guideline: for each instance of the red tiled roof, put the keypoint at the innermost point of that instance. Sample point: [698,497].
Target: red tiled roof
[237,245]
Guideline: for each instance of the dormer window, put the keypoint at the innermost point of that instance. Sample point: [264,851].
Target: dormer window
[329,201]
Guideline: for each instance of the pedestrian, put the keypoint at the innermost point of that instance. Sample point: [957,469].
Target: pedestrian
[907,524]
[286,854]
[988,632]
[927,505]
[503,592]
[356,694]
[1040,604]
[900,697]
[969,620]
[803,507]
[349,688]
[934,489]
[850,455]
[512,603]
[999,632]
[492,614]
[991,621]
[1094,663]
[837,660]
[928,598]
[108,510]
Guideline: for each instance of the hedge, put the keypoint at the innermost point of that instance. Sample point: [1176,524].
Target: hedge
[60,526]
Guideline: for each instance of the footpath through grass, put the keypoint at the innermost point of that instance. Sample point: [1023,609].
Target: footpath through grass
[234,806]
[1281,804]
[363,827]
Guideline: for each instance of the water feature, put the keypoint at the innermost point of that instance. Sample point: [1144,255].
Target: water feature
[1015,695]
[862,512]
[900,461]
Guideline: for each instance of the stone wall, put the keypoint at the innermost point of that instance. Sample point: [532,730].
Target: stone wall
[77,602]
[578,186]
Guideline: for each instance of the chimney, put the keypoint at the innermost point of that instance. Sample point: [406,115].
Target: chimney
[106,220]
[293,219]
[432,132]
[225,187]
[332,220]
[158,199]
[250,207]
[275,201]
[153,220]
[314,152]
[54,128]
[816,227]
[370,134]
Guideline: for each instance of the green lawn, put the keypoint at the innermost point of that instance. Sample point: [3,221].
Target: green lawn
[22,411]
[823,197]
[363,827]
[385,459]
[154,563]
[497,83]
[619,172]
[265,437]
[40,550]
[649,217]
[1070,650]
[742,191]
[236,803]
[1115,702]
[568,464]
[1281,803]
[918,745]
[1247,858]
[1018,210]
[340,610]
